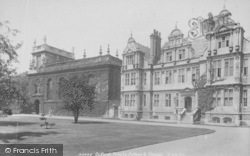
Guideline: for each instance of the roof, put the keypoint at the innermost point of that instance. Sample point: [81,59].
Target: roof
[48,48]
[176,32]
[133,46]
[82,63]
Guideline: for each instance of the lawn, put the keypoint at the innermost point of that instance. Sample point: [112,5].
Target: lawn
[90,136]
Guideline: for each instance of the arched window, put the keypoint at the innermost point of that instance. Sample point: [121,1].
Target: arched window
[37,87]
[49,89]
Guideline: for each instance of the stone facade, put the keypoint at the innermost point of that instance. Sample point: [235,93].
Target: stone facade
[50,64]
[156,82]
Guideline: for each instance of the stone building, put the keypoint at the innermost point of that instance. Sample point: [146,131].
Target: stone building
[156,82]
[49,65]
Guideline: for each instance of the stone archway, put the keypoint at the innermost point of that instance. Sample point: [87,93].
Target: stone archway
[37,103]
[188,103]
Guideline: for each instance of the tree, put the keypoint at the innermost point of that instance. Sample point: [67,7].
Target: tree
[8,55]
[21,83]
[77,95]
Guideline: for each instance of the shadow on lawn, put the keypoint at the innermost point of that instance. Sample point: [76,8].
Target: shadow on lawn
[91,122]
[5,137]
[15,123]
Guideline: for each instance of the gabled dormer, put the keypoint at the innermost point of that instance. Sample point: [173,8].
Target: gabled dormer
[134,54]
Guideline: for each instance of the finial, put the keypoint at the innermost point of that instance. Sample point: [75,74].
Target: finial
[100,51]
[176,25]
[108,50]
[73,49]
[35,43]
[117,53]
[44,39]
[84,53]
[131,34]
[224,6]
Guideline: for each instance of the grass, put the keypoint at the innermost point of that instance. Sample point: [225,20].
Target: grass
[90,136]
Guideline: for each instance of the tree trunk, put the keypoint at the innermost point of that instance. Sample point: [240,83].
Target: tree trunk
[76,115]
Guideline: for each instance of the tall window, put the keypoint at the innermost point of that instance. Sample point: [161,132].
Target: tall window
[229,67]
[39,60]
[169,56]
[217,98]
[245,67]
[132,100]
[228,97]
[181,76]
[217,68]
[126,100]
[181,54]
[223,42]
[38,88]
[59,90]
[195,73]
[130,60]
[245,98]
[145,78]
[133,75]
[168,77]
[156,100]
[168,100]
[177,100]
[144,100]
[127,77]
[157,78]
[49,89]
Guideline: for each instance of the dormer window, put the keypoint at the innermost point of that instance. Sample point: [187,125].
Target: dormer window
[130,60]
[223,42]
[179,41]
[171,42]
[182,54]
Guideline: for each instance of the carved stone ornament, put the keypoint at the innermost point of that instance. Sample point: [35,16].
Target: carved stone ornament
[237,57]
[237,79]
[237,88]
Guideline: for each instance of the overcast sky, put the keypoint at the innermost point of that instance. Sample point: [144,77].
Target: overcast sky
[89,24]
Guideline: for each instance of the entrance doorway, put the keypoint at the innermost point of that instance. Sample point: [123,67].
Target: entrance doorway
[37,103]
[115,111]
[188,104]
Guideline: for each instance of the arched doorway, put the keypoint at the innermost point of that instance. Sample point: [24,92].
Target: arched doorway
[37,103]
[188,104]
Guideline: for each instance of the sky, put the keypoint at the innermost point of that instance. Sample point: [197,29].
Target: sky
[89,24]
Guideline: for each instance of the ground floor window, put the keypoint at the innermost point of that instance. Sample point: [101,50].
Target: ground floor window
[132,100]
[156,100]
[245,98]
[228,100]
[126,100]
[168,100]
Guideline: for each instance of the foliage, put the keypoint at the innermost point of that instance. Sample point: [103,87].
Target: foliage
[206,90]
[8,54]
[46,123]
[77,95]
[21,83]
[4,112]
